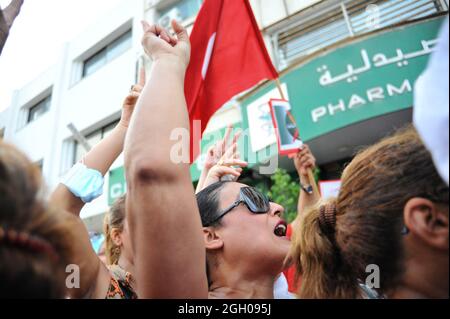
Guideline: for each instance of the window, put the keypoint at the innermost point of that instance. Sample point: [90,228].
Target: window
[107,54]
[181,11]
[93,139]
[39,109]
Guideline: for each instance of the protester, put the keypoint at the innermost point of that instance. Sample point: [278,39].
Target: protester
[384,236]
[245,240]
[391,214]
[163,218]
[118,250]
[81,185]
[303,161]
[35,241]
[230,230]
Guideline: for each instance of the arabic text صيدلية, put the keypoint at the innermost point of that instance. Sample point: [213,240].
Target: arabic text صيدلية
[379,60]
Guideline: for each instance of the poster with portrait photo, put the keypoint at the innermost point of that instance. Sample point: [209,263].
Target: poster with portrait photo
[287,132]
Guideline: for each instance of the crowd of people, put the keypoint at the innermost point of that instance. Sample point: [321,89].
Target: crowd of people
[224,240]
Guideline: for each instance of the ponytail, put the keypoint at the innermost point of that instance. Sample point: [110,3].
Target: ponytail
[317,256]
[368,223]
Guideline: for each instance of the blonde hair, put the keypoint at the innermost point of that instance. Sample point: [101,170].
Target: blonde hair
[376,185]
[114,219]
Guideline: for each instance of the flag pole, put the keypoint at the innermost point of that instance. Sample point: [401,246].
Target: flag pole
[312,180]
[280,89]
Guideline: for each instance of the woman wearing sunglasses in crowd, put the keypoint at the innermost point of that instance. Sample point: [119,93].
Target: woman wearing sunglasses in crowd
[219,259]
[244,234]
[245,240]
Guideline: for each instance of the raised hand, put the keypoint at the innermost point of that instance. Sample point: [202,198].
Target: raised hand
[217,151]
[304,160]
[230,166]
[130,101]
[158,43]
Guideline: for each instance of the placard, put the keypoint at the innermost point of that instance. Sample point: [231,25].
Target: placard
[287,132]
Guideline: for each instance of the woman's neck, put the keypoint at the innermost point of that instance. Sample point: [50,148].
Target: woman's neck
[236,286]
[125,264]
[422,280]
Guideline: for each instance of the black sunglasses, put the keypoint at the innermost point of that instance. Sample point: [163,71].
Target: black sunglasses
[256,202]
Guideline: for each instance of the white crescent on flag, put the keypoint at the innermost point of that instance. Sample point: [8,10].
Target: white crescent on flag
[208,54]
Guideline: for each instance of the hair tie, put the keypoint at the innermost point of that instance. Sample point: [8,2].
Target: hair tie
[327,219]
[27,241]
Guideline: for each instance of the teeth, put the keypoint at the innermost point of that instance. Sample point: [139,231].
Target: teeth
[280,230]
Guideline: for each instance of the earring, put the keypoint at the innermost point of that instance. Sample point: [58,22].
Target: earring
[405,231]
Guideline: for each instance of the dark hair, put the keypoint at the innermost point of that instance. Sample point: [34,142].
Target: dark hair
[376,185]
[208,205]
[34,242]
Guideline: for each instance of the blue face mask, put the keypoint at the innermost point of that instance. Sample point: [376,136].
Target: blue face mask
[84,183]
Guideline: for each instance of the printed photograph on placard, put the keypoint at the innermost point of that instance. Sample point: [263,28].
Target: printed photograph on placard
[288,135]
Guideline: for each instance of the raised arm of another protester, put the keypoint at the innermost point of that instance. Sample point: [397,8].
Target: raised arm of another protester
[95,278]
[162,211]
[215,153]
[303,161]
[229,164]
[84,182]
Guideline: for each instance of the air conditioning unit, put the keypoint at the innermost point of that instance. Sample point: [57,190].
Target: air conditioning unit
[174,14]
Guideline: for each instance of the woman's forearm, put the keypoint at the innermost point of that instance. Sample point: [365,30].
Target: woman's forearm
[160,113]
[99,158]
[103,155]
[160,200]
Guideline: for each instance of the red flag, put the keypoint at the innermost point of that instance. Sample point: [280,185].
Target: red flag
[228,57]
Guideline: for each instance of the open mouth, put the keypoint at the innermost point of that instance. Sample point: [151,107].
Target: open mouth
[280,229]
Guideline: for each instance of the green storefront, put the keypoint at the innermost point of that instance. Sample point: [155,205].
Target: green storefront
[347,96]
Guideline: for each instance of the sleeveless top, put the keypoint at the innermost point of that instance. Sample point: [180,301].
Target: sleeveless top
[121,284]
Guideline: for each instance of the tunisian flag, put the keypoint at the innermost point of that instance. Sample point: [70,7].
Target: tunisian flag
[228,57]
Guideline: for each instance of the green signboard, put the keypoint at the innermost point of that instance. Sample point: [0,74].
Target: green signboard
[366,78]
[117,184]
[369,77]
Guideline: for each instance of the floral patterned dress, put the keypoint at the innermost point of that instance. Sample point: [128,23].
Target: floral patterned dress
[121,285]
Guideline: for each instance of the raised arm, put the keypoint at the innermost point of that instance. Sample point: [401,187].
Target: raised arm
[94,276]
[303,161]
[101,156]
[162,212]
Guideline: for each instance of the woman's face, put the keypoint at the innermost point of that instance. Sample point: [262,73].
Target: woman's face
[252,238]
